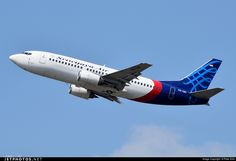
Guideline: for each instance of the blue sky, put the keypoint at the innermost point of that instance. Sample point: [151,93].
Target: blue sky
[40,118]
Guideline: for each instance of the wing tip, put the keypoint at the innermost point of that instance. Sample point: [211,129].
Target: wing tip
[146,64]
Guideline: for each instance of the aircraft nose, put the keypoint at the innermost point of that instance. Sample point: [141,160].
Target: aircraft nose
[20,60]
[13,58]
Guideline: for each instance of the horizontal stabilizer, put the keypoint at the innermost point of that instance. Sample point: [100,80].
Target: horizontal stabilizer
[206,94]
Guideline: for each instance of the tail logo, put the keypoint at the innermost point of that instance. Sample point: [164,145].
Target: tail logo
[202,77]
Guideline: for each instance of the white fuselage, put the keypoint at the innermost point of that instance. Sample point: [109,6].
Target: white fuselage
[66,69]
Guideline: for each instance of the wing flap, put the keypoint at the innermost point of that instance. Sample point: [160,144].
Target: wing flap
[107,96]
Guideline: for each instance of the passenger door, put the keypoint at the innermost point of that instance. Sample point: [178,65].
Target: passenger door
[43,58]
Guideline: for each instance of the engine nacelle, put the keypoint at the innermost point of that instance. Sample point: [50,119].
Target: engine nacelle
[80,92]
[85,77]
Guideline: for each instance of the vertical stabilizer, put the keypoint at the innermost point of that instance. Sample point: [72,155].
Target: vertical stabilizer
[201,78]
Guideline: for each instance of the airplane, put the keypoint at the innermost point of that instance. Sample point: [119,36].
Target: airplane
[88,80]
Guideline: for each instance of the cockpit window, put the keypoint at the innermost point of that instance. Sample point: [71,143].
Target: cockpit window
[27,53]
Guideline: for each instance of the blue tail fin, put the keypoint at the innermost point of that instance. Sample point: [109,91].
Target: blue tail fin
[201,78]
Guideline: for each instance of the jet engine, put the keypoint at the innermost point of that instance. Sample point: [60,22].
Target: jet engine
[81,92]
[85,77]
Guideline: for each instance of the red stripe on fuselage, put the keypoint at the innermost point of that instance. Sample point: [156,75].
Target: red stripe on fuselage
[151,95]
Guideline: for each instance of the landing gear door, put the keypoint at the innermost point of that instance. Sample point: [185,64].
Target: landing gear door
[43,58]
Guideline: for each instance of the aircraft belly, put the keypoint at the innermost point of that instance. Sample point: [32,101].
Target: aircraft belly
[133,92]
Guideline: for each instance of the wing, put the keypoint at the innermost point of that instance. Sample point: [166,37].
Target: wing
[119,79]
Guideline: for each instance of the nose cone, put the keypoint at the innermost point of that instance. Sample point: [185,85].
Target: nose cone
[13,58]
[20,59]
